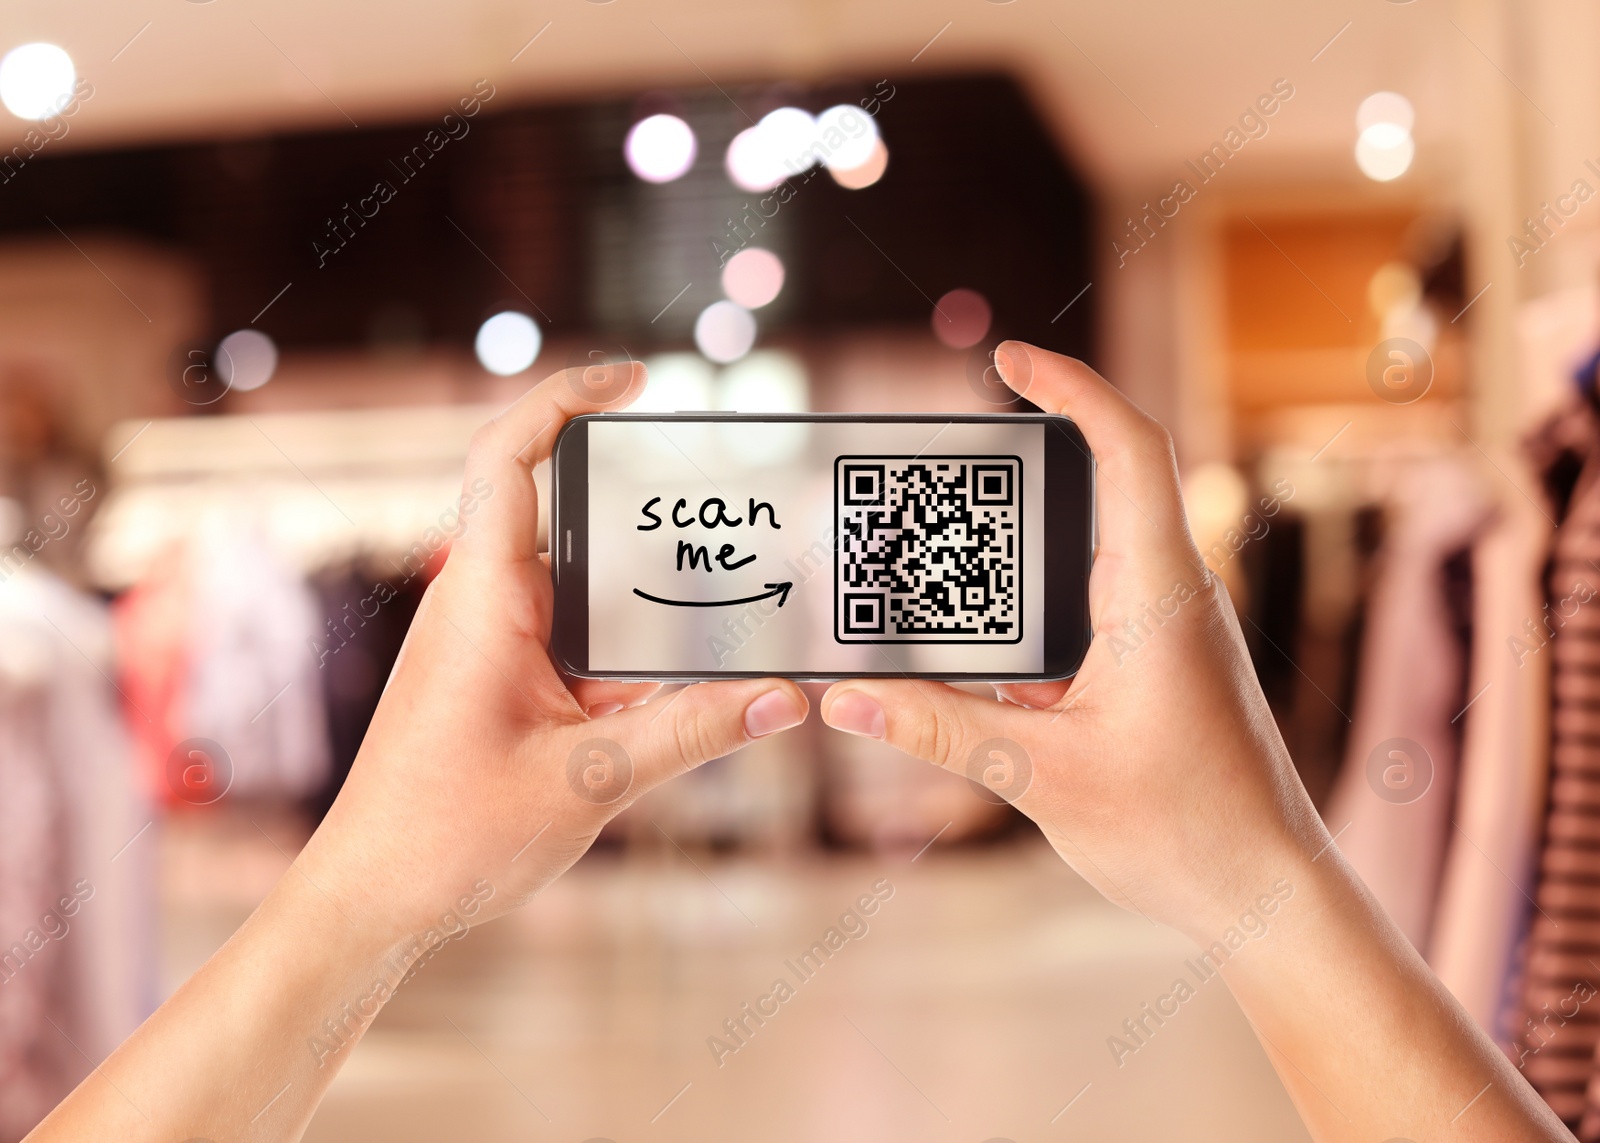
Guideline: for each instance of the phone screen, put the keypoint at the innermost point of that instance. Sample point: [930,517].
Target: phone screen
[816,548]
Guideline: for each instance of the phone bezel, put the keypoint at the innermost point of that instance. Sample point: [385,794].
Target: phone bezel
[1069,542]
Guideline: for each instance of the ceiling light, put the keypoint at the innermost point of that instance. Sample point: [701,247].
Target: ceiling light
[660,148]
[859,178]
[36,80]
[961,318]
[1385,107]
[1385,148]
[246,360]
[725,331]
[845,136]
[1383,156]
[791,135]
[507,343]
[1386,136]
[753,277]
[751,162]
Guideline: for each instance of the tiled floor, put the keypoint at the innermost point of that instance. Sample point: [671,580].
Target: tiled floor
[976,1005]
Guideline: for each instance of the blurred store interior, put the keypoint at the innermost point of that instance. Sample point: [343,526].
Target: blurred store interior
[263,269]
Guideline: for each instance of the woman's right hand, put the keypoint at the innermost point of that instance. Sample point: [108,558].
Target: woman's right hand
[1157,772]
[1159,775]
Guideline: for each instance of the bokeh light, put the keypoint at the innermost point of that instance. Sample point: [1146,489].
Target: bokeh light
[753,277]
[859,178]
[508,343]
[678,381]
[784,143]
[1385,107]
[766,382]
[751,164]
[246,359]
[1384,153]
[845,136]
[961,318]
[660,148]
[790,134]
[1393,286]
[725,331]
[36,80]
[1385,148]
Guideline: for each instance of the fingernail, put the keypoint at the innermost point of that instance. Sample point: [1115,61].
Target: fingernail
[772,712]
[1015,365]
[601,709]
[855,713]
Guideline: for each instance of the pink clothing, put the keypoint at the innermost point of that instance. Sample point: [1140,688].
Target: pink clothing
[1391,807]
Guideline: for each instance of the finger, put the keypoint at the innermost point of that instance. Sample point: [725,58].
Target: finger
[600,697]
[705,721]
[1034,696]
[1140,506]
[504,520]
[931,721]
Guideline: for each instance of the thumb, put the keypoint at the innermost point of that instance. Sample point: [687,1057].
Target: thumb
[671,736]
[964,733]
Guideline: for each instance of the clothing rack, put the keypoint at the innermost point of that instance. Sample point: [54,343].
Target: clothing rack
[321,488]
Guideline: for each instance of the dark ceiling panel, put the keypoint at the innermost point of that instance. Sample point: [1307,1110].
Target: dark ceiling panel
[418,232]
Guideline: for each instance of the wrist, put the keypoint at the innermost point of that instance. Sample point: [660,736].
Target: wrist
[1305,905]
[386,912]
[335,967]
[308,915]
[1252,888]
[370,899]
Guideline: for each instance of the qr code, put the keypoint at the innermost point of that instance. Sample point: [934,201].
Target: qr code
[929,549]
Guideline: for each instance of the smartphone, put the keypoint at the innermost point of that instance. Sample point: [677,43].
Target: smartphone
[699,546]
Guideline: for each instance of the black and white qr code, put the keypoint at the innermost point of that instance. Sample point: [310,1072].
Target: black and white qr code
[929,549]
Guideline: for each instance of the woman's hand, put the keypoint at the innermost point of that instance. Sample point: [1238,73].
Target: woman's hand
[486,772]
[1159,775]
[1151,768]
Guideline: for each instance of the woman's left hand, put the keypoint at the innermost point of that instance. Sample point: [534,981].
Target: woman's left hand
[486,772]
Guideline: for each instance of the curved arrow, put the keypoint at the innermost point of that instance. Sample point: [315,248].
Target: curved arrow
[781,590]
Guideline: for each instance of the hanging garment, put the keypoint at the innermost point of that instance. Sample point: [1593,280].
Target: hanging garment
[35,1060]
[152,622]
[1392,803]
[253,684]
[1488,884]
[1558,1031]
[365,623]
[77,852]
